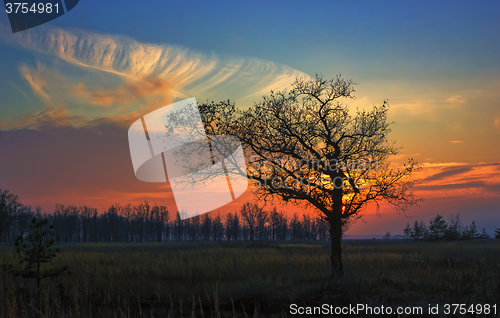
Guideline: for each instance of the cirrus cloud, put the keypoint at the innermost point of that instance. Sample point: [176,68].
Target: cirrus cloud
[122,75]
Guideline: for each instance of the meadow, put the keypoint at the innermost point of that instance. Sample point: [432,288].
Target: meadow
[243,279]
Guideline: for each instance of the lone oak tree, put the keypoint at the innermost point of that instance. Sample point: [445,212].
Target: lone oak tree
[304,146]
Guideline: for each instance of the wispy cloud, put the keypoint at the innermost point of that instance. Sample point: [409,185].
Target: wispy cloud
[442,164]
[123,75]
[447,172]
[55,117]
[456,99]
[455,180]
[456,141]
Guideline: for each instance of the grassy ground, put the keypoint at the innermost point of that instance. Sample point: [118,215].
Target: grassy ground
[179,279]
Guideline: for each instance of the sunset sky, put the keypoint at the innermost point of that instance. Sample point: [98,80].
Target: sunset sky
[70,88]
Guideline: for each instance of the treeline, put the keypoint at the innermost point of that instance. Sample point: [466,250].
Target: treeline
[439,229]
[146,222]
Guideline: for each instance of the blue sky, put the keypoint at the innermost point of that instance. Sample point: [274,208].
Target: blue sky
[312,36]
[445,38]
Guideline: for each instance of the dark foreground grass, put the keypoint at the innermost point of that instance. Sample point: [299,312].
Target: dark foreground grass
[236,279]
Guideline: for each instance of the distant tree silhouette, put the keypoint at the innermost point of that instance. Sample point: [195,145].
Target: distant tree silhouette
[142,215]
[217,228]
[419,230]
[179,228]
[453,231]
[206,227]
[497,233]
[127,223]
[474,234]
[437,227]
[254,217]
[387,236]
[470,232]
[232,226]
[408,232]
[278,223]
[86,217]
[9,206]
[295,226]
[127,212]
[36,250]
[162,217]
[484,234]
[121,224]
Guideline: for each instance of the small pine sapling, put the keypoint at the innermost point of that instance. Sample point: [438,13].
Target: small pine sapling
[35,250]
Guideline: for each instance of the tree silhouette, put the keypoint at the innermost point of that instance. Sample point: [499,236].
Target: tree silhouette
[305,147]
[453,231]
[408,232]
[9,205]
[437,227]
[473,230]
[254,217]
[419,230]
[278,224]
[36,250]
[484,234]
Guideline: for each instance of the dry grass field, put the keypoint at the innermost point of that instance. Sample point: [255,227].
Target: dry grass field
[239,279]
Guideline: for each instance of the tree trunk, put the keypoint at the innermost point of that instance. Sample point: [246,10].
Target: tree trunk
[335,220]
[159,230]
[337,270]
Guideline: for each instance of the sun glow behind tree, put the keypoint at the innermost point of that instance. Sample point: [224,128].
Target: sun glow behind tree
[304,146]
